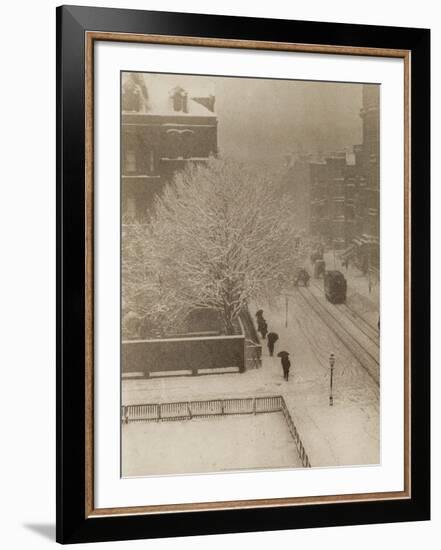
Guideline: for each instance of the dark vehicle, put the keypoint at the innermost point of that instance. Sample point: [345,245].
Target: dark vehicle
[301,277]
[335,287]
[319,268]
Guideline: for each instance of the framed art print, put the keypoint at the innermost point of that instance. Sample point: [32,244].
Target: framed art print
[243,268]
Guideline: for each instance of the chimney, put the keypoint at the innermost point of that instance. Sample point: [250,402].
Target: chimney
[180,99]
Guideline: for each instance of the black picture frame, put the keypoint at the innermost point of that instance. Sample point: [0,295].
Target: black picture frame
[73,525]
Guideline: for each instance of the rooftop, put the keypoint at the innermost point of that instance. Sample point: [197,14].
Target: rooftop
[165,95]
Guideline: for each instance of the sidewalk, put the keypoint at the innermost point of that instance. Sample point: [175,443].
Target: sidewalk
[345,434]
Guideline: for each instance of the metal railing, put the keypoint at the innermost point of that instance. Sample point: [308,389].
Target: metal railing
[253,355]
[186,410]
[295,435]
[253,348]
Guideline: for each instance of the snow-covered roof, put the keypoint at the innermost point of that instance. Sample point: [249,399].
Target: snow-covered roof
[160,90]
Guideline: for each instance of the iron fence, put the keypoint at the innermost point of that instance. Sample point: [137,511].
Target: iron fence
[186,410]
[295,435]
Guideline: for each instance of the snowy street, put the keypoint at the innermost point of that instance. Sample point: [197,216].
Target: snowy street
[365,303]
[345,434]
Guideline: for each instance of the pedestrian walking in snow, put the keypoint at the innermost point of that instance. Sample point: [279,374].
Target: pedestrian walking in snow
[286,363]
[272,339]
[262,327]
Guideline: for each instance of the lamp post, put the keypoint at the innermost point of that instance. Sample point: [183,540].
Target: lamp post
[331,364]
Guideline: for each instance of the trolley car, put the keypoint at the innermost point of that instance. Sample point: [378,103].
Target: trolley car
[335,287]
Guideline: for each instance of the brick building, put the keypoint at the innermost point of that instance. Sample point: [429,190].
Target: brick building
[344,193]
[367,196]
[163,129]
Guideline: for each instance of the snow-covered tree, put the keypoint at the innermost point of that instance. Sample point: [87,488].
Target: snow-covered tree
[219,236]
[148,304]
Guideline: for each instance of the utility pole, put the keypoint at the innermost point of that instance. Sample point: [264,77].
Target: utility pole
[286,311]
[331,364]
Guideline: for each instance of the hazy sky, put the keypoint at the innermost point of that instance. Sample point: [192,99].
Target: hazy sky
[262,118]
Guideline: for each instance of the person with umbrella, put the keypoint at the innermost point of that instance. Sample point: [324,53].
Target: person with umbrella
[272,339]
[286,363]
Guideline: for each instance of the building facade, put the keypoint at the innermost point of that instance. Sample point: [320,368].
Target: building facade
[163,130]
[345,193]
[367,200]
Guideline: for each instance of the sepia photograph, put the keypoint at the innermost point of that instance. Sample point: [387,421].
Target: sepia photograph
[250,274]
[243,260]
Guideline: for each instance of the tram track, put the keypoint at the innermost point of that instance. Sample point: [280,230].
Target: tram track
[357,320]
[367,355]
[360,322]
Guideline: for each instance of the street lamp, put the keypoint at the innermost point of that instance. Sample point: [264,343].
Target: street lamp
[331,364]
